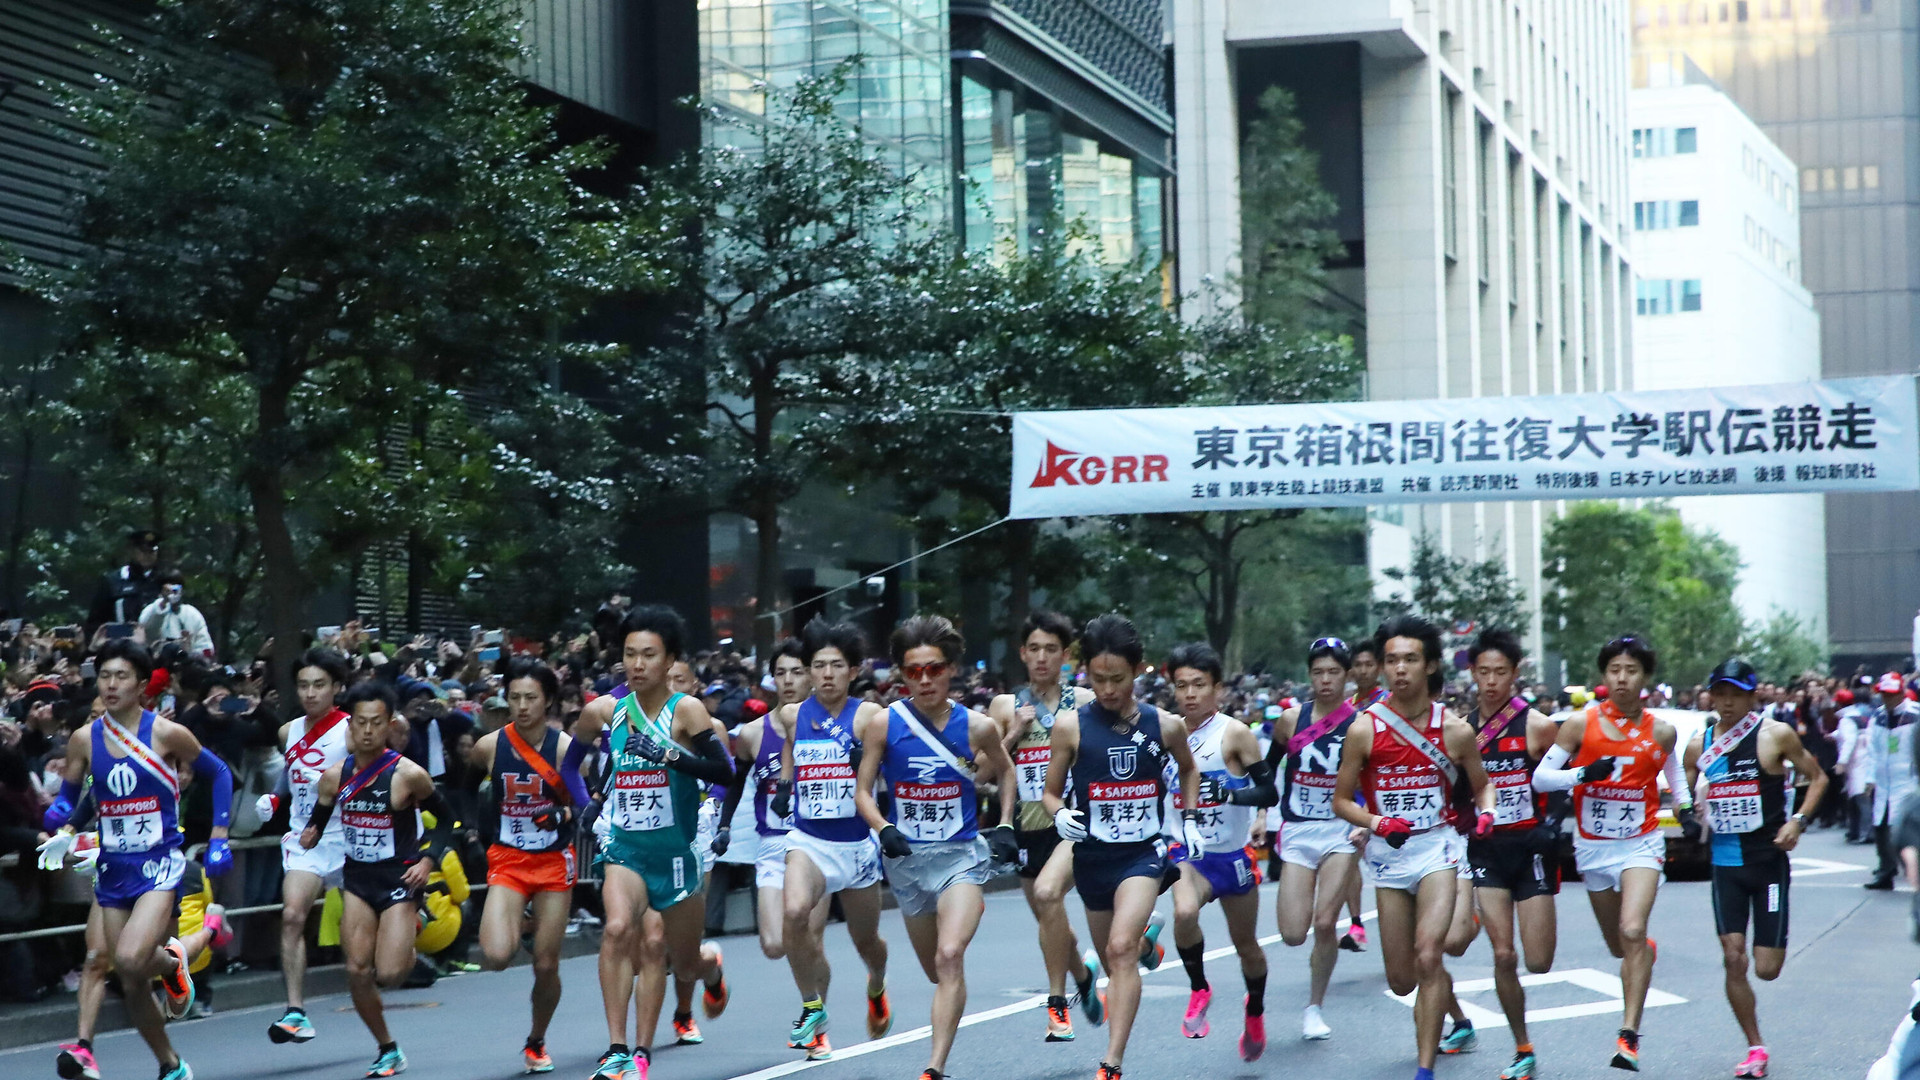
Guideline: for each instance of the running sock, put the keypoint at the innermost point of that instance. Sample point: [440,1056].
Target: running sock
[536,1044]
[1462,1024]
[1523,1048]
[876,995]
[84,1044]
[389,1047]
[616,1048]
[1423,1073]
[813,1003]
[682,1017]
[1193,958]
[1354,921]
[1256,995]
[643,1053]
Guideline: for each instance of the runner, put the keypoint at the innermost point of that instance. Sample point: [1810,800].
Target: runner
[1408,753]
[930,752]
[756,751]
[1233,781]
[135,759]
[1316,860]
[1366,691]
[534,771]
[831,849]
[1618,751]
[1046,865]
[377,791]
[1119,856]
[1745,771]
[663,747]
[1516,871]
[314,742]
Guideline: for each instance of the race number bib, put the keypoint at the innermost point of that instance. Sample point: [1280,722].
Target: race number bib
[130,825]
[1030,763]
[1733,806]
[1123,812]
[1512,797]
[774,822]
[1418,799]
[1310,796]
[517,829]
[306,792]
[928,812]
[823,780]
[641,801]
[1613,813]
[369,836]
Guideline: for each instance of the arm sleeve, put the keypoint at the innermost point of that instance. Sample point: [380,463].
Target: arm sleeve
[1552,774]
[709,763]
[1262,792]
[209,765]
[742,779]
[1276,756]
[577,752]
[62,808]
[1676,773]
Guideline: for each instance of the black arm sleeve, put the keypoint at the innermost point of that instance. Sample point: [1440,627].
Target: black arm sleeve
[322,811]
[709,763]
[1262,792]
[441,835]
[1276,756]
[742,777]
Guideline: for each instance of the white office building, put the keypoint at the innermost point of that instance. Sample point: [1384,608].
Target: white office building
[1716,248]
[1479,151]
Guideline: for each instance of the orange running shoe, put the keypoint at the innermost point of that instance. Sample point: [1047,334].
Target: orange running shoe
[819,1049]
[534,1054]
[1059,1020]
[1626,1051]
[879,1014]
[686,1032]
[1107,1072]
[178,982]
[714,996]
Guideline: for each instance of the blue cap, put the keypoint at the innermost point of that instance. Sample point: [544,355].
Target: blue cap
[1737,672]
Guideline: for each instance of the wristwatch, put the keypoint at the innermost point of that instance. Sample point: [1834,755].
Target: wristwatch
[1800,820]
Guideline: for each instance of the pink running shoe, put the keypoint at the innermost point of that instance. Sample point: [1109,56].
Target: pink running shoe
[76,1063]
[1756,1063]
[1194,1025]
[1355,939]
[1253,1038]
[216,920]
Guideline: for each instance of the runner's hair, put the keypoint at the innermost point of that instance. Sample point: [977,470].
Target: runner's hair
[527,667]
[1363,647]
[1342,654]
[659,620]
[1199,656]
[1048,622]
[129,650]
[1112,633]
[1419,629]
[1500,640]
[379,690]
[334,664]
[1631,645]
[787,646]
[921,631]
[820,634]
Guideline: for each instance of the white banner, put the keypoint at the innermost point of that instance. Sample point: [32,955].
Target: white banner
[1838,435]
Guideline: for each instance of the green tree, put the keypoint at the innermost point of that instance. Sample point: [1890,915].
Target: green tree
[1782,648]
[1451,590]
[1285,244]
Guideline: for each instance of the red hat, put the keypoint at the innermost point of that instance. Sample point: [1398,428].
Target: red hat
[1600,692]
[1890,684]
[1843,699]
[754,708]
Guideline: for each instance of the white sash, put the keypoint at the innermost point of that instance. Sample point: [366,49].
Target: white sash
[1385,714]
[932,741]
[138,753]
[1724,744]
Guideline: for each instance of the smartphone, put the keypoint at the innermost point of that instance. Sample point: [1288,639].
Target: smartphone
[87,670]
[473,631]
[115,630]
[233,704]
[490,655]
[69,634]
[491,637]
[325,632]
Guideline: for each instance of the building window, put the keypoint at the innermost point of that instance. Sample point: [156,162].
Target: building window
[1689,213]
[1740,11]
[1690,295]
[1484,179]
[1870,176]
[1450,174]
[1685,140]
[1666,214]
[1809,179]
[1665,296]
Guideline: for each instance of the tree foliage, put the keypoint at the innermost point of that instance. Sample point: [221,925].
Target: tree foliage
[1783,648]
[1454,591]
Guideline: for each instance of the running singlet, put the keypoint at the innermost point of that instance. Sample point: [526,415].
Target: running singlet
[1307,784]
[1627,805]
[311,751]
[1034,751]
[823,773]
[1224,826]
[1516,806]
[766,773]
[520,794]
[375,832]
[1119,776]
[647,796]
[138,793]
[1363,702]
[1401,780]
[932,801]
[1746,804]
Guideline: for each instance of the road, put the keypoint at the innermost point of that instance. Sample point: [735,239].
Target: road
[1829,1015]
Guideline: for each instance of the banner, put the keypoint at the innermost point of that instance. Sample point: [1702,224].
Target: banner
[1838,435]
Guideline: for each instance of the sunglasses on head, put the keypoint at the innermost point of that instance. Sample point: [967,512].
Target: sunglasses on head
[1327,643]
[925,671]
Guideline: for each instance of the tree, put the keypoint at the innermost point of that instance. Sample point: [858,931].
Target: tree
[1454,591]
[1285,244]
[341,214]
[1782,648]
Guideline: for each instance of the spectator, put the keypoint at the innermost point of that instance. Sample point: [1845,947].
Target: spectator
[171,620]
[125,591]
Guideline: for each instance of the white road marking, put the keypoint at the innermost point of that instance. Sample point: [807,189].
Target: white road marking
[1613,999]
[1805,867]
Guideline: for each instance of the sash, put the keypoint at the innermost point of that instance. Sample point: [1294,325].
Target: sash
[538,764]
[1725,743]
[1491,730]
[834,728]
[1320,726]
[941,748]
[313,735]
[1396,724]
[1026,696]
[366,776]
[140,754]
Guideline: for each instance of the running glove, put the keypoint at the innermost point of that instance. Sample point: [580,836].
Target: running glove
[219,858]
[722,839]
[1071,824]
[1689,824]
[647,746]
[1004,845]
[551,818]
[266,806]
[1191,837]
[894,843]
[781,803]
[1597,770]
[53,850]
[1395,831]
[1483,826]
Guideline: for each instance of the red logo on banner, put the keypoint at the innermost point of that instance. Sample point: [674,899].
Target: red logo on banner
[1074,469]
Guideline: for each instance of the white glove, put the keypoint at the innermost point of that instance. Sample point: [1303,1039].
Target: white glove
[1071,824]
[265,806]
[86,860]
[53,850]
[1195,843]
[603,827]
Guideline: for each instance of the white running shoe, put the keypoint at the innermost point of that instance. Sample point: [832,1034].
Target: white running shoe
[1314,1028]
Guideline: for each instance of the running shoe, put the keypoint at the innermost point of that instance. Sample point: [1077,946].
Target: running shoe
[642,1062]
[76,1063]
[1253,1038]
[931,1074]
[1355,939]
[1626,1051]
[180,1071]
[215,920]
[714,996]
[389,1063]
[1524,1064]
[535,1055]
[1151,951]
[1313,1027]
[1091,1002]
[1756,1063]
[686,1032]
[812,1022]
[820,1049]
[1059,1021]
[879,1015]
[1461,1040]
[1194,1025]
[177,982]
[293,1026]
[1107,1072]
[613,1066]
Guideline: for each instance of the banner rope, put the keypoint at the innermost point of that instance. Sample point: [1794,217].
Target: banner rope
[884,570]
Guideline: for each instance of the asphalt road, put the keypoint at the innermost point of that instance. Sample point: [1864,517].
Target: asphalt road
[1829,1015]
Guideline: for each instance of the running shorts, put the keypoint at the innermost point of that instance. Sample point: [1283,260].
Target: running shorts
[844,864]
[1758,888]
[670,873]
[531,872]
[1601,862]
[121,880]
[770,865]
[1098,869]
[1511,863]
[1310,843]
[378,884]
[1228,873]
[1036,848]
[323,862]
[1440,849]
[917,880]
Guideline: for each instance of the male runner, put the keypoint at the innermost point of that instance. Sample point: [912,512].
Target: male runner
[1516,871]
[1744,769]
[663,747]
[1115,749]
[377,791]
[314,742]
[1234,779]
[831,849]
[1618,751]
[929,750]
[134,760]
[1408,752]
[756,751]
[1046,865]
[1316,858]
[534,771]
[1366,691]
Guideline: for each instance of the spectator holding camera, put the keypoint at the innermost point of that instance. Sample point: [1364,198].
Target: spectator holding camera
[169,619]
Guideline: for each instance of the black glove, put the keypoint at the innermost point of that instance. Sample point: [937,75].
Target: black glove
[721,838]
[1211,793]
[782,801]
[590,812]
[550,818]
[1689,824]
[1597,770]
[894,843]
[1544,838]
[647,746]
[1004,845]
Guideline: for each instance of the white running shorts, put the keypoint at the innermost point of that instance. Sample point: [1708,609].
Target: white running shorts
[1602,861]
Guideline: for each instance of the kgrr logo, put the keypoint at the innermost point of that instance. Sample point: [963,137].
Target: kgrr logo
[1072,468]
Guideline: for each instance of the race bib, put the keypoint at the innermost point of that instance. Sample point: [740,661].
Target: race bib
[1613,813]
[369,836]
[774,822]
[130,825]
[1418,799]
[1030,763]
[641,801]
[517,829]
[928,812]
[305,792]
[1512,797]
[1733,806]
[823,780]
[1123,812]
[1310,796]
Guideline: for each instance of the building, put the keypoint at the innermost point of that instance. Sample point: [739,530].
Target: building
[1719,302]
[1478,150]
[1830,81]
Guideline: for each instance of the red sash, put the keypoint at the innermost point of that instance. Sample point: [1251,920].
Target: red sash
[313,735]
[538,764]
